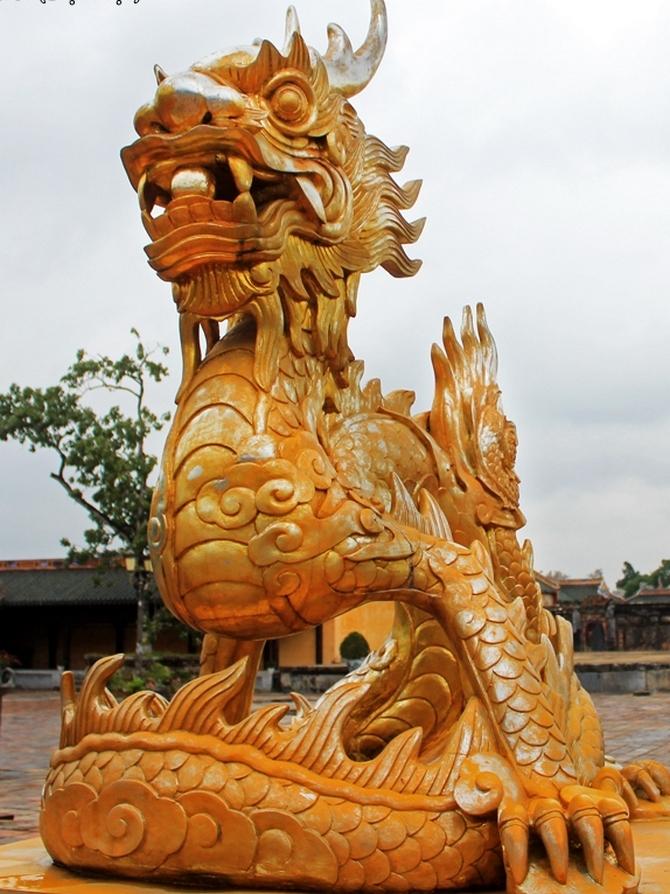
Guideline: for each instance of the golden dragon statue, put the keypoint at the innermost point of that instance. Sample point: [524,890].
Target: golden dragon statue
[465,752]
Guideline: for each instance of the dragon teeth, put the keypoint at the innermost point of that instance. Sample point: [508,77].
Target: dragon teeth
[242,172]
[244,208]
[141,194]
[313,197]
[192,182]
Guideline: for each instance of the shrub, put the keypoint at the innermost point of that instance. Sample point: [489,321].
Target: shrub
[155,677]
[354,646]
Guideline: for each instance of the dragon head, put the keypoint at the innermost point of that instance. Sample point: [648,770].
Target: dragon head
[255,177]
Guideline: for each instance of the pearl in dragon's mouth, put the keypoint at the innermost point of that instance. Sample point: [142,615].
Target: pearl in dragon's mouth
[227,189]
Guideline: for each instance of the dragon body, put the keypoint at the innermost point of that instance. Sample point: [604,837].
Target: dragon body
[290,493]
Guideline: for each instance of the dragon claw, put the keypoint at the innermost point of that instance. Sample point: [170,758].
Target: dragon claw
[618,832]
[513,824]
[640,779]
[589,816]
[601,813]
[587,824]
[629,796]
[644,786]
[549,822]
[659,773]
[610,779]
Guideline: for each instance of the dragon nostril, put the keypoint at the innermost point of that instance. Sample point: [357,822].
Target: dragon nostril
[207,118]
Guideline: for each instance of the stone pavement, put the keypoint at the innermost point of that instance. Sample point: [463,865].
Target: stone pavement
[636,727]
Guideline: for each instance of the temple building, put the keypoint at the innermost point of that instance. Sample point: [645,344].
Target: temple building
[54,615]
[647,620]
[587,603]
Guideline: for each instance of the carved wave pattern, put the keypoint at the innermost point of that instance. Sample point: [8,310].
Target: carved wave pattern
[146,786]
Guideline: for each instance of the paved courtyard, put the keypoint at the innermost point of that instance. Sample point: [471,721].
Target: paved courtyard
[635,727]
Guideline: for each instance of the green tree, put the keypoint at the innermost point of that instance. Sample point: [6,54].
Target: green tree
[102,460]
[631,579]
[660,577]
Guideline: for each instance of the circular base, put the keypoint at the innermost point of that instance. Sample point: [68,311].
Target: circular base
[26,867]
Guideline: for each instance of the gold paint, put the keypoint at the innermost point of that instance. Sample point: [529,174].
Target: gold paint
[465,749]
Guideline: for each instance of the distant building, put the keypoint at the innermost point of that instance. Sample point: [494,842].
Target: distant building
[586,603]
[643,621]
[54,615]
[549,588]
[606,621]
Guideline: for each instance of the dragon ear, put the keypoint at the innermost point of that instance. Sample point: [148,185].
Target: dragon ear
[298,53]
[349,72]
[269,59]
[160,74]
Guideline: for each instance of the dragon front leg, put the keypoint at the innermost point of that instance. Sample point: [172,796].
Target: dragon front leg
[534,776]
[544,797]
[542,828]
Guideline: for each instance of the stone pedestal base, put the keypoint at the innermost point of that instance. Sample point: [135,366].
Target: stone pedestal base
[26,867]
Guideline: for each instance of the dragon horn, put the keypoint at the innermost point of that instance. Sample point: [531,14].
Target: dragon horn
[292,27]
[349,72]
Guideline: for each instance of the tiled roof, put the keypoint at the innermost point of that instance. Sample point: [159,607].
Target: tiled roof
[37,564]
[651,596]
[65,586]
[581,589]
[581,581]
[547,584]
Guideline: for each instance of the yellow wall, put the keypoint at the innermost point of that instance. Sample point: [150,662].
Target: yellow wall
[93,638]
[298,650]
[373,620]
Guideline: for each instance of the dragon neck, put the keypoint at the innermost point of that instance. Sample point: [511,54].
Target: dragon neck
[304,335]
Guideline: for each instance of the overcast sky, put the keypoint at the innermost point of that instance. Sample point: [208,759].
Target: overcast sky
[541,129]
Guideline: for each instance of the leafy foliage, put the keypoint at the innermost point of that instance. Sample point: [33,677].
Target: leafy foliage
[164,674]
[155,677]
[632,580]
[103,464]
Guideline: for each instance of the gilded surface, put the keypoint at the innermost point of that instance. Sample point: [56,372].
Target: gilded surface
[290,492]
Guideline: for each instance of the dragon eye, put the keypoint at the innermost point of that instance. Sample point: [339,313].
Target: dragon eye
[291,101]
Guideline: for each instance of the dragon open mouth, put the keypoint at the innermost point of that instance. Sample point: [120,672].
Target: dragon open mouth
[205,205]
[229,191]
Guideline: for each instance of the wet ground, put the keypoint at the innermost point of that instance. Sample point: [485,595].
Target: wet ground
[636,727]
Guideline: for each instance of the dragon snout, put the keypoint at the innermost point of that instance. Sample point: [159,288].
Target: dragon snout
[187,100]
